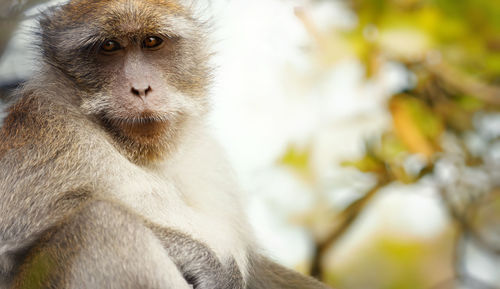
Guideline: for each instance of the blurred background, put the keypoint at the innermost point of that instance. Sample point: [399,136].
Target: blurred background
[365,134]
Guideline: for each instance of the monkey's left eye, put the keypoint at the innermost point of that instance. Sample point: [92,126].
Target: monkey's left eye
[152,42]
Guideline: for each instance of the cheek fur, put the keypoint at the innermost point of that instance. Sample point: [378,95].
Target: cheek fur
[96,104]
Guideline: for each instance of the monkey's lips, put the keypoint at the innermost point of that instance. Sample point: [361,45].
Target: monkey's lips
[144,125]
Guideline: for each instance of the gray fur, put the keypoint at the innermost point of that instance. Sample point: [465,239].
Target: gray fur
[86,252]
[198,263]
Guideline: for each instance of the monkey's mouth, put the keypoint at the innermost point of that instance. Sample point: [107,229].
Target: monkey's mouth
[143,118]
[146,124]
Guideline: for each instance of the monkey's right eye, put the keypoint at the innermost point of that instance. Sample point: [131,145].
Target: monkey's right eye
[109,46]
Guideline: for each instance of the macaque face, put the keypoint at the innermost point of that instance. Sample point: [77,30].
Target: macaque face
[140,96]
[142,64]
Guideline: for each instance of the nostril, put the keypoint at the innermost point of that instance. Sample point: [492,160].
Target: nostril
[140,92]
[134,91]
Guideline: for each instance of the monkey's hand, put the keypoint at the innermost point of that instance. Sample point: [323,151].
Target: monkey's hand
[197,263]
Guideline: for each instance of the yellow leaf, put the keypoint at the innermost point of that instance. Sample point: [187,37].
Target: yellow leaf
[408,130]
[367,164]
[298,159]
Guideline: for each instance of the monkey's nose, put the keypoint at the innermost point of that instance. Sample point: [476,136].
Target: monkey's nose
[141,92]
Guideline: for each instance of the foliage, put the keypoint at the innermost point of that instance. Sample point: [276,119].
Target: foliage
[451,51]
[454,61]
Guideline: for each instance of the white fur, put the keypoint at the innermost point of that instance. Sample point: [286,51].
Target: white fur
[192,191]
[180,26]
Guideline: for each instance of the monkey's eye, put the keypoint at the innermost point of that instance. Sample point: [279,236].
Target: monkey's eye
[109,46]
[152,42]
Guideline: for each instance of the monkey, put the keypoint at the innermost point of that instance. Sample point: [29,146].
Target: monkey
[109,177]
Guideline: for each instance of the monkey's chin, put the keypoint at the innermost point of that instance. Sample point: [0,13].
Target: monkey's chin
[145,130]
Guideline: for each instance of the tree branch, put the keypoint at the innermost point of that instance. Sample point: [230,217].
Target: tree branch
[345,218]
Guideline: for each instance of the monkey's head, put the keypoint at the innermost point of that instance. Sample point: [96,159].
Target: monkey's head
[141,66]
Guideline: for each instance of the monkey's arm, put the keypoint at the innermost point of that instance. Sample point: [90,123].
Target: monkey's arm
[103,245]
[100,246]
[265,274]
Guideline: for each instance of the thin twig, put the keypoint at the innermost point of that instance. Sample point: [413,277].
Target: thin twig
[347,218]
[490,94]
[464,232]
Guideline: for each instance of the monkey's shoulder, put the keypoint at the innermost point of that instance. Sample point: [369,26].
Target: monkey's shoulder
[39,136]
[34,118]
